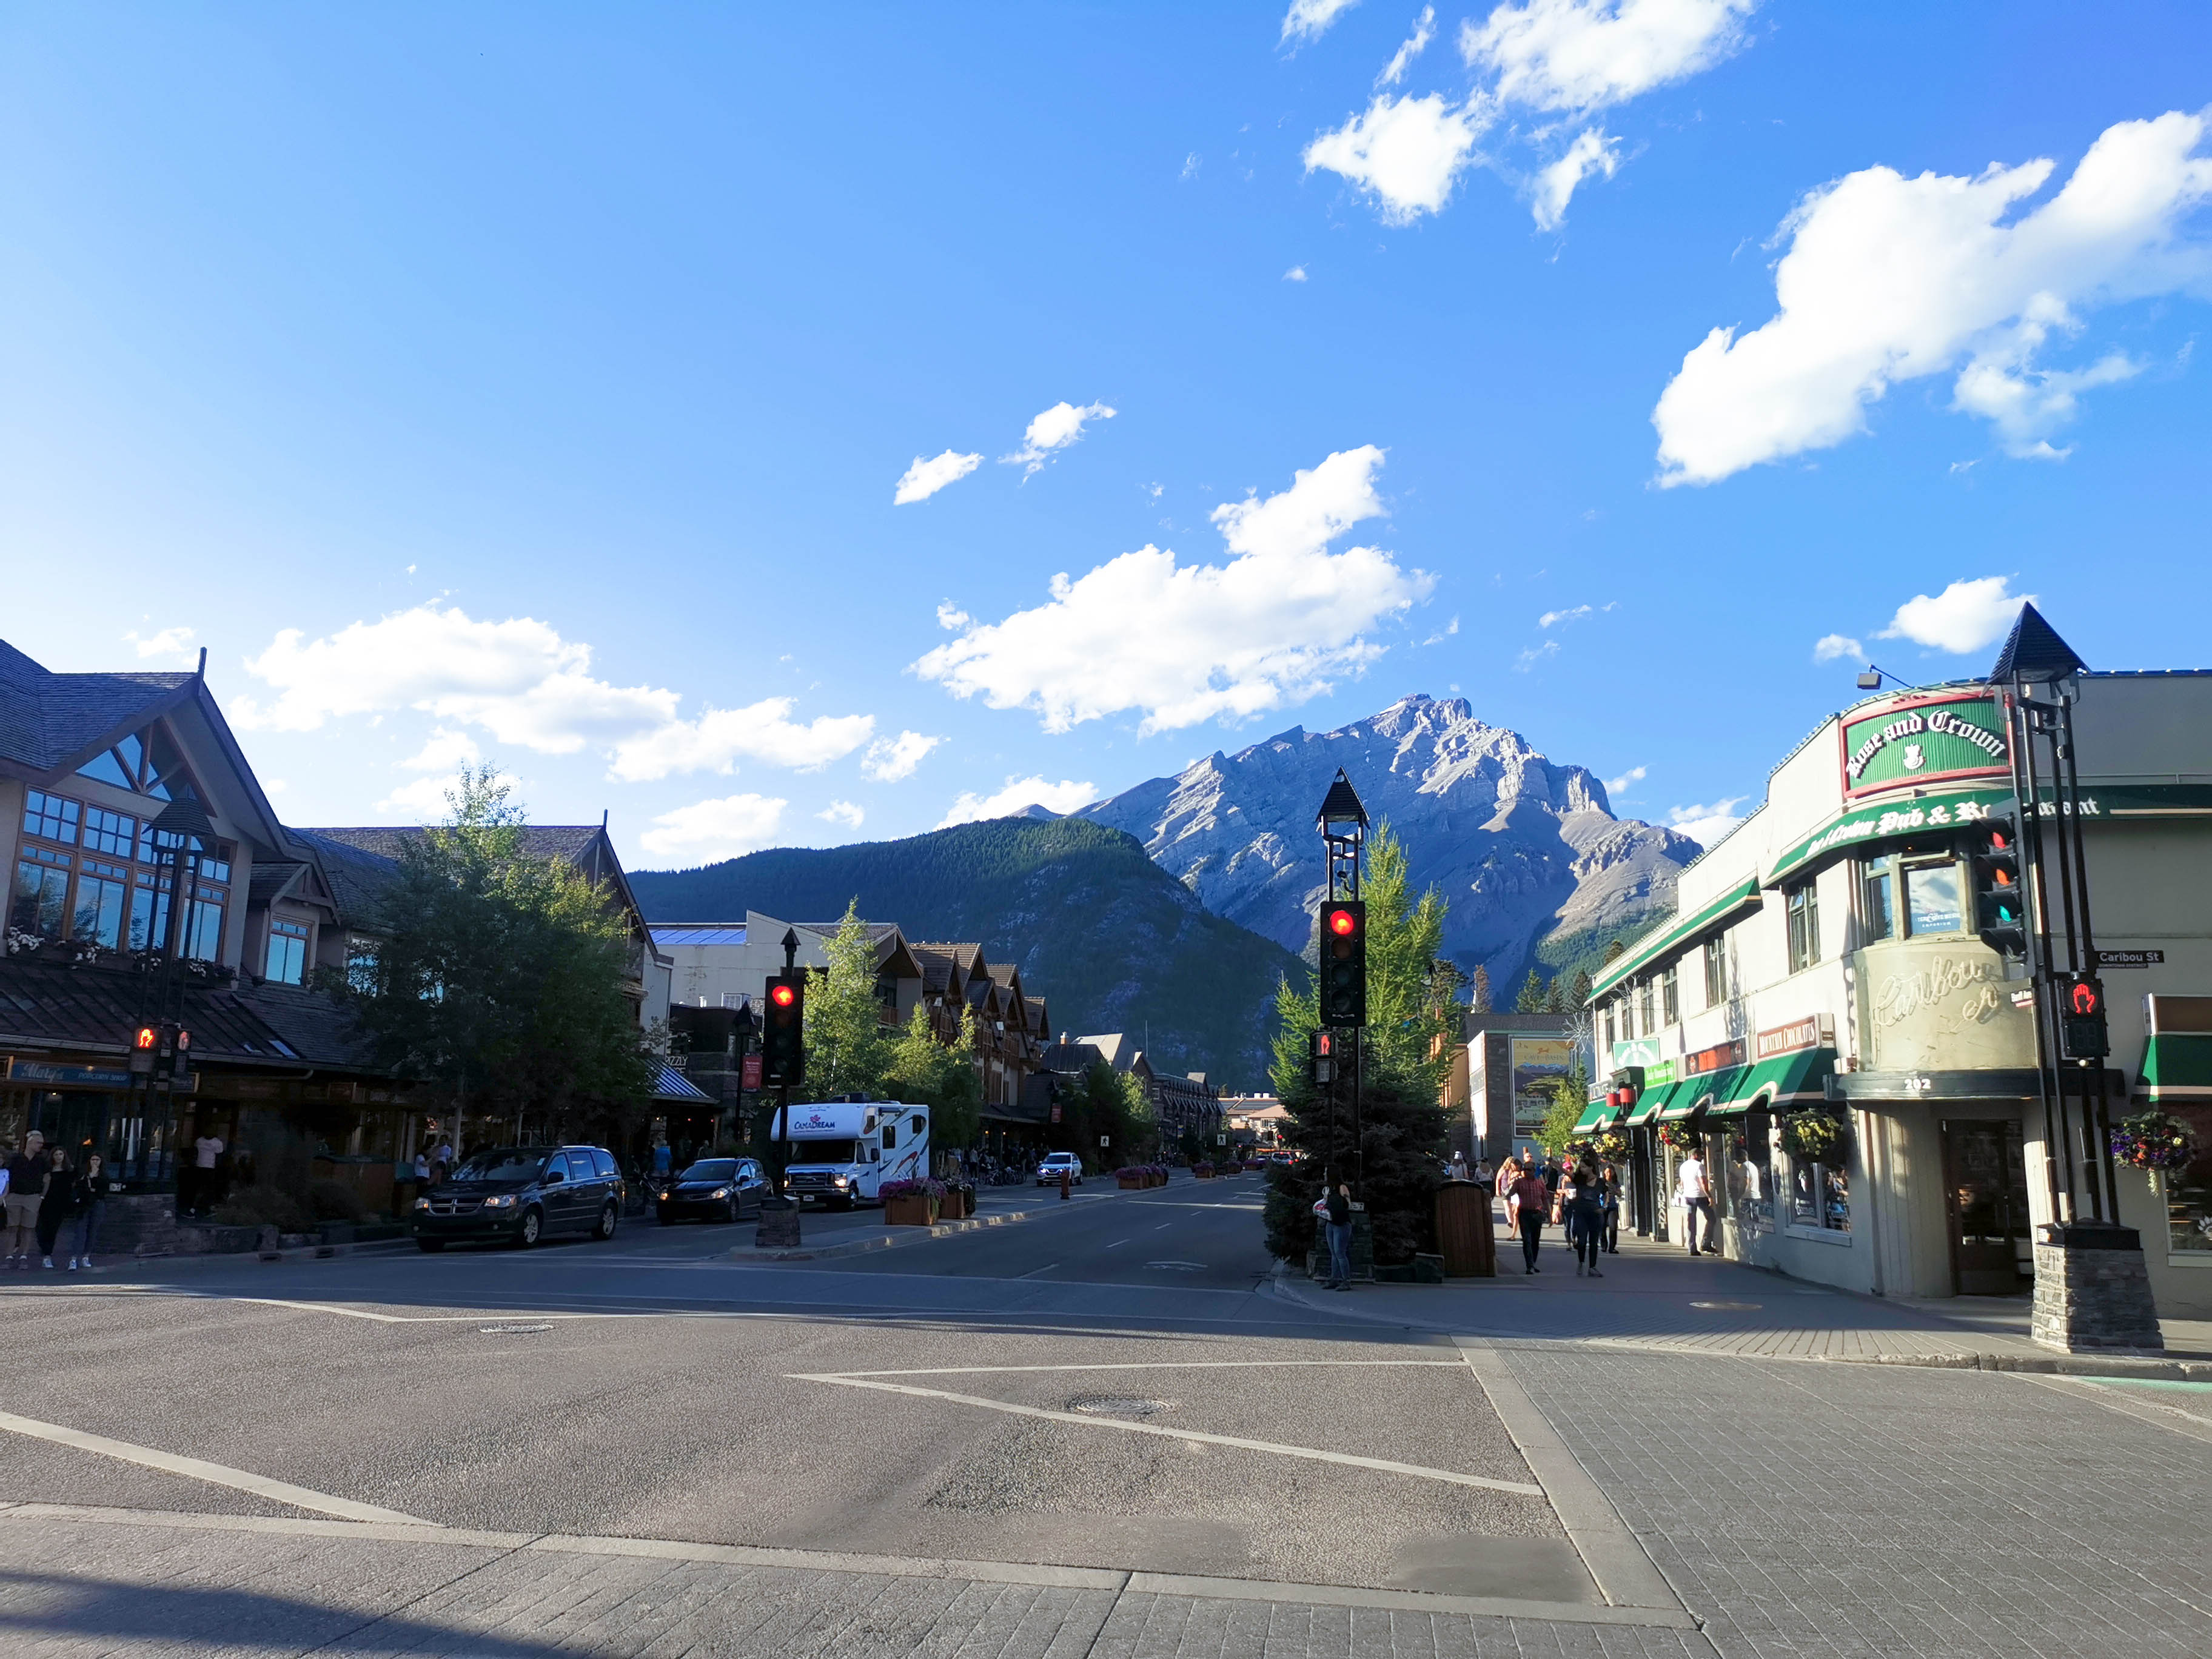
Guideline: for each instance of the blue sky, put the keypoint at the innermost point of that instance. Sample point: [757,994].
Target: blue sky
[534,382]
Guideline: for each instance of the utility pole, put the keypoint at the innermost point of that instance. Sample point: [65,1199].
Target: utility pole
[783,1062]
[1342,936]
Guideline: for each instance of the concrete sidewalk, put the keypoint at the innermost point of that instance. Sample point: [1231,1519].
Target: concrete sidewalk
[1657,1296]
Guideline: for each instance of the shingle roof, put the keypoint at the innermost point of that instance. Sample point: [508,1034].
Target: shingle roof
[97,1008]
[357,877]
[48,720]
[270,882]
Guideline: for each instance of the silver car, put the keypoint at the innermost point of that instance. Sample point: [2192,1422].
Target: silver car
[1057,1164]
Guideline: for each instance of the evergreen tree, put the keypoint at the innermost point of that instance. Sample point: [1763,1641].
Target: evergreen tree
[1402,1128]
[1555,997]
[1531,1000]
[846,1049]
[1580,994]
[1480,1000]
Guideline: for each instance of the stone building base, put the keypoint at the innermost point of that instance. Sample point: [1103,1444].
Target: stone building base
[2092,1290]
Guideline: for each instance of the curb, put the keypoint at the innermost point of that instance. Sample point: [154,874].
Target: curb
[884,1241]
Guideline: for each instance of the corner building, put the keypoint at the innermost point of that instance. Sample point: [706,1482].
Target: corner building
[1823,964]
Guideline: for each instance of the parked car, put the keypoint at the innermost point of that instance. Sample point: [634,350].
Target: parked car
[712,1189]
[1056,1164]
[519,1194]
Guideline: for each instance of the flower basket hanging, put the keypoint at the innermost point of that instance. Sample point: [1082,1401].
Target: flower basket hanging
[1612,1146]
[2152,1140]
[1815,1136]
[1679,1133]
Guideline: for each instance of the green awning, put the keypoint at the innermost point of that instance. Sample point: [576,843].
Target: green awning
[1595,1116]
[1676,931]
[2176,1069]
[1792,1080]
[1651,1104]
[1712,1089]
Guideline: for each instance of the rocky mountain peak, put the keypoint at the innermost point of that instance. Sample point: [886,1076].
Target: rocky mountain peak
[1527,851]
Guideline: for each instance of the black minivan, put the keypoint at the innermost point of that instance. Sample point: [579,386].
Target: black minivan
[519,1194]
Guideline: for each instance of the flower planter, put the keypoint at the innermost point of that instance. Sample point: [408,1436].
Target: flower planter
[909,1209]
[959,1204]
[1132,1183]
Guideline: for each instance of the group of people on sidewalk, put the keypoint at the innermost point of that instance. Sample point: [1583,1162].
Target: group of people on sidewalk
[1583,1197]
[50,1202]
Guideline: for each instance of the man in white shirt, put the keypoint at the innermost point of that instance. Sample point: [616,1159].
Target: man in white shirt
[1696,1193]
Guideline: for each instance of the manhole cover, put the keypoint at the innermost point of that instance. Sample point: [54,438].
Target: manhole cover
[512,1330]
[1115,1404]
[1179,1267]
[1748,1306]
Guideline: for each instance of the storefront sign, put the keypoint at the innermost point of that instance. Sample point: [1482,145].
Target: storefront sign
[748,1074]
[2131,958]
[1870,823]
[1635,1051]
[1929,1006]
[1659,1075]
[54,1076]
[1920,742]
[1814,1031]
[1718,1057]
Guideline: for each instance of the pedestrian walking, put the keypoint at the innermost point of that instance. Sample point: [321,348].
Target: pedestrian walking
[27,1185]
[207,1184]
[1340,1236]
[56,1203]
[1609,1200]
[1583,1200]
[88,1209]
[1508,1171]
[1696,1193]
[1484,1174]
[1530,1204]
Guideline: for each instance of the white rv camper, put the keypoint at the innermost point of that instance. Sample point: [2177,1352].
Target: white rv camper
[842,1151]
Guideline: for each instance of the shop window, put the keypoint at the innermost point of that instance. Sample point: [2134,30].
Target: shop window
[2189,1189]
[1747,1153]
[1820,1195]
[288,952]
[1670,998]
[102,890]
[1801,905]
[49,816]
[40,904]
[1877,902]
[1931,896]
[1716,958]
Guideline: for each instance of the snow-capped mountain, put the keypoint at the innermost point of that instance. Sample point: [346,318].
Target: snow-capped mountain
[1528,853]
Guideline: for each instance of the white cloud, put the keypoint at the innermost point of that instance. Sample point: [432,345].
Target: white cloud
[423,798]
[1535,653]
[1965,617]
[1295,274]
[1407,152]
[949,615]
[843,812]
[1425,30]
[890,760]
[1190,642]
[764,731]
[446,751]
[925,479]
[1574,613]
[1020,793]
[1191,163]
[518,679]
[1582,55]
[1591,152]
[1634,774]
[1053,431]
[1832,647]
[1707,825]
[1308,20]
[711,830]
[1889,279]
[169,643]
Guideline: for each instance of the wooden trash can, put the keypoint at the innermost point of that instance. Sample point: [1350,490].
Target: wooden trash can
[1465,1236]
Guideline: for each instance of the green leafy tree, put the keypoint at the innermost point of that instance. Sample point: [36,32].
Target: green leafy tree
[1401,1123]
[1531,1000]
[1570,1099]
[846,1051]
[942,1077]
[499,981]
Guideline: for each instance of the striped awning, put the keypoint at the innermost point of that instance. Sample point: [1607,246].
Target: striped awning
[1653,1102]
[2176,1069]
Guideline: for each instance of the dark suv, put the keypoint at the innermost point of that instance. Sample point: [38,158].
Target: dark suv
[519,1194]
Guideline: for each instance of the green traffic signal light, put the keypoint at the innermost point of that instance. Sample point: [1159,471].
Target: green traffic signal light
[2000,905]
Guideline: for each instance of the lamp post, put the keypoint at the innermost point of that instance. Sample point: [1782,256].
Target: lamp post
[183,829]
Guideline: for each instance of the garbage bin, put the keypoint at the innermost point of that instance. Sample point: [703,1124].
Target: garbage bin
[1465,1236]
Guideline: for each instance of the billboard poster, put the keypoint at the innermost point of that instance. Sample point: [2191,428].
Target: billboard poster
[1538,1063]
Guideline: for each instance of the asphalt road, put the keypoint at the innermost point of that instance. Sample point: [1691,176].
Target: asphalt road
[1111,1384]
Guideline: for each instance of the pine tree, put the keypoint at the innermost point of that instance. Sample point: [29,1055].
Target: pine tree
[1555,997]
[1580,994]
[1480,1001]
[1531,1000]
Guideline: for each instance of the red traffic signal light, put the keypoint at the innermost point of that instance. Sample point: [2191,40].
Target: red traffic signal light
[2086,997]
[783,995]
[1342,922]
[147,1037]
[1344,963]
[184,1039]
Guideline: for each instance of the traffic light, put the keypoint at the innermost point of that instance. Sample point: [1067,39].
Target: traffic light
[2081,1020]
[1344,963]
[2000,896]
[1321,1059]
[141,1051]
[783,1031]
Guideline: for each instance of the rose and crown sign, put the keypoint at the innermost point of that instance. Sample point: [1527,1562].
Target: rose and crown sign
[1918,743]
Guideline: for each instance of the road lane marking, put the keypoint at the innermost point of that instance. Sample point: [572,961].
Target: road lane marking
[1117,1243]
[1180,1266]
[281,1492]
[1034,1271]
[1382,1465]
[1163,1226]
[1156,1366]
